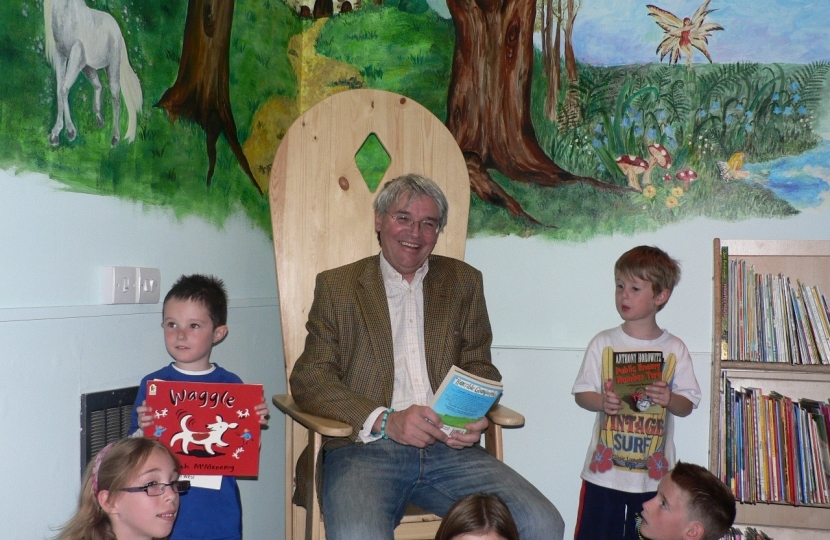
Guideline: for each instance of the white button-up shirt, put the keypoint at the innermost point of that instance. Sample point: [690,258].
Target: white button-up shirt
[406,314]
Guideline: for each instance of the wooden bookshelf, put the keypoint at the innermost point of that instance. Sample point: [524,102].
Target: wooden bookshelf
[808,261]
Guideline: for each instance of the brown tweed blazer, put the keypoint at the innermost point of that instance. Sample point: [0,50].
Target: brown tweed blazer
[347,368]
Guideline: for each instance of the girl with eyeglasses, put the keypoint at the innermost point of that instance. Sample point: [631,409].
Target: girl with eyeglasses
[130,491]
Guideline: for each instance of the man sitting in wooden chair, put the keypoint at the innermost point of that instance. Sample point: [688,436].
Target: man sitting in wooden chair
[382,334]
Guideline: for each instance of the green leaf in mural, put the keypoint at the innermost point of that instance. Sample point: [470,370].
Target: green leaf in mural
[372,161]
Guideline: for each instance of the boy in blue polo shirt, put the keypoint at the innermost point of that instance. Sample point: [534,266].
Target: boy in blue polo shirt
[194,319]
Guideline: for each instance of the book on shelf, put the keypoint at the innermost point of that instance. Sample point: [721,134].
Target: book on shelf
[765,337]
[724,461]
[810,328]
[211,427]
[777,454]
[806,346]
[821,458]
[823,319]
[795,331]
[800,451]
[728,452]
[819,435]
[817,315]
[791,448]
[768,318]
[724,306]
[775,448]
[765,469]
[464,398]
[757,450]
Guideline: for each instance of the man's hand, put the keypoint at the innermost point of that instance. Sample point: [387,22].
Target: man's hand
[416,425]
[463,440]
[145,416]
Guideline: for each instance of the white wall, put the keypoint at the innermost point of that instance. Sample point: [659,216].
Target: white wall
[546,301]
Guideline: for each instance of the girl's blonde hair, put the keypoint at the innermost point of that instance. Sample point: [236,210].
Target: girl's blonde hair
[111,470]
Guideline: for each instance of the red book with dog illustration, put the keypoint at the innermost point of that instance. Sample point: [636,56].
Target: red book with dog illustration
[211,427]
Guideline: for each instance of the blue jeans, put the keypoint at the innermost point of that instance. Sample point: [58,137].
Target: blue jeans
[366,489]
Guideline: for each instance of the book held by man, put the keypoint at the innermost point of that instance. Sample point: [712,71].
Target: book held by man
[212,428]
[464,398]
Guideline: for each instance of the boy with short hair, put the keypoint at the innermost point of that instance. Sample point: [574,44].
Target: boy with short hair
[691,504]
[194,319]
[629,455]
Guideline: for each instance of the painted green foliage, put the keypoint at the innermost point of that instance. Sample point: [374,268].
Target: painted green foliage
[703,116]
[166,164]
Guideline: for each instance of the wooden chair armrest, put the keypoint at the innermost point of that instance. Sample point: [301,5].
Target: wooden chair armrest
[323,426]
[502,416]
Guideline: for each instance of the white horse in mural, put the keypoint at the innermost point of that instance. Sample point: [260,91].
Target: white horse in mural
[80,39]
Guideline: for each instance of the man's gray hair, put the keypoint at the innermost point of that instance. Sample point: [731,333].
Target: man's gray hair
[409,186]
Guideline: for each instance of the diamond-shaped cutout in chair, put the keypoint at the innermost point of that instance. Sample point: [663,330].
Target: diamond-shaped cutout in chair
[322,217]
[372,161]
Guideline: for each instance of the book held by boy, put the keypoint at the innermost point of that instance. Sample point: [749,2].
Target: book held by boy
[464,398]
[634,438]
[633,371]
[212,428]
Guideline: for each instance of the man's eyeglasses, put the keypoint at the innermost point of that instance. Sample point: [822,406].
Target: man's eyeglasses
[428,226]
[154,489]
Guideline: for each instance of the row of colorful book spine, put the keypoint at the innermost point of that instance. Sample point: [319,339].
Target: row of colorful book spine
[768,318]
[774,448]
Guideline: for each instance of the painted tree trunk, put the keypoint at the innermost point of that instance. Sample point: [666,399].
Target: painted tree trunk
[555,77]
[200,93]
[557,67]
[570,58]
[488,106]
[546,15]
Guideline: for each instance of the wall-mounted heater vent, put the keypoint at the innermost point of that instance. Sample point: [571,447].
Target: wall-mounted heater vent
[105,417]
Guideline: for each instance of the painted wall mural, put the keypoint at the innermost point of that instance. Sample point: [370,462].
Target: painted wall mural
[577,118]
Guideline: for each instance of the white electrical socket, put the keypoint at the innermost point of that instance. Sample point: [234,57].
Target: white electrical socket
[149,285]
[131,285]
[120,284]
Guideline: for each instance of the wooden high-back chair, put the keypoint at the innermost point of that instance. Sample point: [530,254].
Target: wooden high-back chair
[322,218]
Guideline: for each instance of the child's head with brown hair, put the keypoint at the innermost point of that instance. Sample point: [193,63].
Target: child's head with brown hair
[131,488]
[194,319]
[482,516]
[691,504]
[206,290]
[651,264]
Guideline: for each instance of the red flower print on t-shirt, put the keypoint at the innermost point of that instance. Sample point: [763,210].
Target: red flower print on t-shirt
[601,460]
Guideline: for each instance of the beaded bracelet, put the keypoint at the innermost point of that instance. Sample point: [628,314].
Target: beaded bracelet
[389,411]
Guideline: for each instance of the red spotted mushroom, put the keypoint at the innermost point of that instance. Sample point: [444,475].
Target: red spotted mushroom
[660,157]
[687,176]
[631,166]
